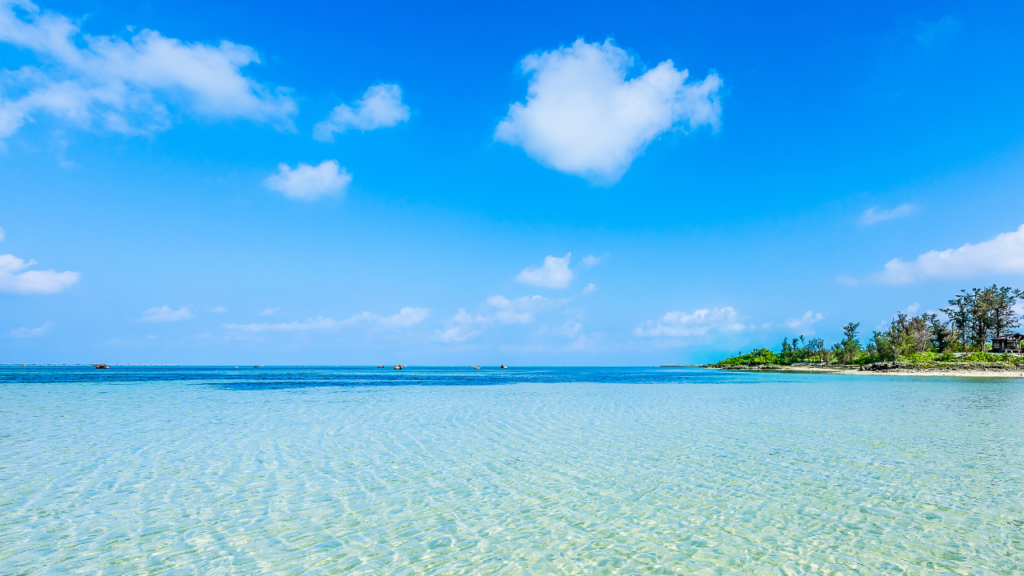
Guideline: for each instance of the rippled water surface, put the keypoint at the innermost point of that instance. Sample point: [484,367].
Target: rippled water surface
[519,471]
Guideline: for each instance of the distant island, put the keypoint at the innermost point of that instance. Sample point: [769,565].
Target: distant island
[976,337]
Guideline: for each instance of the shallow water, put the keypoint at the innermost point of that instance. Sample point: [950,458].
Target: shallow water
[520,471]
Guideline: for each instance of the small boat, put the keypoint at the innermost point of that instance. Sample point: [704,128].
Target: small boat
[476,367]
[100,366]
[503,367]
[382,366]
[399,366]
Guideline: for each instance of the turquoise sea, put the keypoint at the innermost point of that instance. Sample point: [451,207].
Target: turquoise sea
[137,470]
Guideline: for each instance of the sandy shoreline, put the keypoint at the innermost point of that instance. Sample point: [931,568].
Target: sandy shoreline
[972,371]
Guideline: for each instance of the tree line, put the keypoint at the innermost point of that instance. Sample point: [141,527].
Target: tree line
[972,318]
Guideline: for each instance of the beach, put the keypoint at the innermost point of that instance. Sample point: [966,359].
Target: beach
[952,370]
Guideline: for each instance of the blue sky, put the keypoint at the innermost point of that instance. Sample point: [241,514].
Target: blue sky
[528,184]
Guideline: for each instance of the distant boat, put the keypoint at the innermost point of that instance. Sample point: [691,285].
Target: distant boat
[476,367]
[382,366]
[399,366]
[100,366]
[503,367]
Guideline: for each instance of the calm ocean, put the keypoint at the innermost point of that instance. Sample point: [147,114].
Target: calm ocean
[519,471]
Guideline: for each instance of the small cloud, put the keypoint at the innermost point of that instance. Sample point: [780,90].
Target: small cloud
[555,273]
[219,310]
[405,318]
[2,234]
[699,323]
[14,281]
[570,329]
[913,308]
[165,314]
[932,33]
[461,328]
[380,107]
[1003,254]
[518,311]
[589,288]
[32,332]
[806,320]
[318,323]
[847,280]
[269,312]
[307,182]
[873,216]
[591,260]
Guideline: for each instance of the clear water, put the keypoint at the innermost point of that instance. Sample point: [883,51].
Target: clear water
[534,471]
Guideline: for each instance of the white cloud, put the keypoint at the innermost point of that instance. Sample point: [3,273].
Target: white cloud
[126,86]
[2,234]
[406,318]
[518,311]
[873,216]
[583,117]
[166,314]
[270,312]
[380,107]
[589,288]
[699,323]
[913,308]
[1003,254]
[307,182]
[14,281]
[570,329]
[555,273]
[591,260]
[806,320]
[219,310]
[504,311]
[32,332]
[461,328]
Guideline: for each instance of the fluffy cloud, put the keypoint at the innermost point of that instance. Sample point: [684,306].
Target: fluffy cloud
[555,273]
[591,260]
[501,310]
[219,310]
[126,86]
[31,332]
[307,182]
[806,320]
[583,117]
[406,318]
[1003,254]
[872,216]
[380,107]
[14,281]
[2,234]
[270,311]
[166,314]
[699,323]
[463,326]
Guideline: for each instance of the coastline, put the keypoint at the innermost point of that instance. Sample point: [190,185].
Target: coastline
[965,371]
